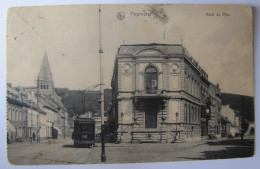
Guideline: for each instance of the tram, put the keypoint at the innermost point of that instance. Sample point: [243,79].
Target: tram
[84,132]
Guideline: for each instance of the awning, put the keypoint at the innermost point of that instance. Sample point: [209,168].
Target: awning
[59,130]
[10,127]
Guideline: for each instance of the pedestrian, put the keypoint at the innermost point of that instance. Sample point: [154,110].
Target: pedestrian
[244,127]
[8,141]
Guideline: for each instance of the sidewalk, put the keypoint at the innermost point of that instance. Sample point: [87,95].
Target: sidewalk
[234,138]
[70,142]
[34,142]
[183,144]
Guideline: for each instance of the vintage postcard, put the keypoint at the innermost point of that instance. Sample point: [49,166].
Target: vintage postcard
[95,84]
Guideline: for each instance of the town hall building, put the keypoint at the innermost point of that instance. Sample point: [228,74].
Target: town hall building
[161,94]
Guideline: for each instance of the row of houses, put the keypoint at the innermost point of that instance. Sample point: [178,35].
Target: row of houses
[36,112]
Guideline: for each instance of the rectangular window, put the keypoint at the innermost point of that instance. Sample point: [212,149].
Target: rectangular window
[203,112]
[9,113]
[12,114]
[21,117]
[185,113]
[16,115]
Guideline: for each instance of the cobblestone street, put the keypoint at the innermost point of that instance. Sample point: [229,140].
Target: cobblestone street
[63,152]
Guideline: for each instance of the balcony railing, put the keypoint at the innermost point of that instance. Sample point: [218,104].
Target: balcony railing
[153,93]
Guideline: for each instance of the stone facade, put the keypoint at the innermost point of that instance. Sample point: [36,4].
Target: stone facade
[24,115]
[158,94]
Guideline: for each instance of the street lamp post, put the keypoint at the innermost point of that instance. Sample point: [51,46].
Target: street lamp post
[38,110]
[103,154]
[26,125]
[122,118]
[31,120]
[38,128]
[64,125]
[207,121]
[176,114]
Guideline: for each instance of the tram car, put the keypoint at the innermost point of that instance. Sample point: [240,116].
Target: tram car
[84,132]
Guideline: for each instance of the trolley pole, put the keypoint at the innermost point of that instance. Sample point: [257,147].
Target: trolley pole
[64,124]
[103,154]
[38,113]
[176,114]
[31,123]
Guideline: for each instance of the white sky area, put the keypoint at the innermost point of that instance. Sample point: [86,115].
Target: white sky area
[223,45]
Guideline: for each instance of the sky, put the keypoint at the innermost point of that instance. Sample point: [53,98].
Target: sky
[223,45]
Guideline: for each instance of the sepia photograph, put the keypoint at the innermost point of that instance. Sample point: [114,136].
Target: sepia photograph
[129,83]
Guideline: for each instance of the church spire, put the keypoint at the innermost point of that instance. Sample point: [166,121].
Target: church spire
[45,82]
[45,71]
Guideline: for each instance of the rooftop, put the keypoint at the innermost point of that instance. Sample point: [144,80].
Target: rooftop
[156,49]
[152,48]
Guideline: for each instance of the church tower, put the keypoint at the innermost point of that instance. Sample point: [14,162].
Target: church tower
[44,81]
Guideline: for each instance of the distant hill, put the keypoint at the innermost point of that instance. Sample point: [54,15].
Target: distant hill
[244,104]
[73,100]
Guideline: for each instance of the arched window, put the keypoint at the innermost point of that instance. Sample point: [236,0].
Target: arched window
[195,115]
[185,113]
[188,114]
[198,89]
[186,81]
[191,83]
[151,80]
[192,115]
[13,115]
[195,88]
[16,117]
[198,115]
[191,86]
[9,113]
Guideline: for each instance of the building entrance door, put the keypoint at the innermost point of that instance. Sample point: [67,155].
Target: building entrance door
[151,114]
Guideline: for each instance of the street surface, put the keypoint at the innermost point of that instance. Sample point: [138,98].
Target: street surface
[63,152]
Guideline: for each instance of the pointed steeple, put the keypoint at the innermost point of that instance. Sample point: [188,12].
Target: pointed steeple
[45,72]
[45,83]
